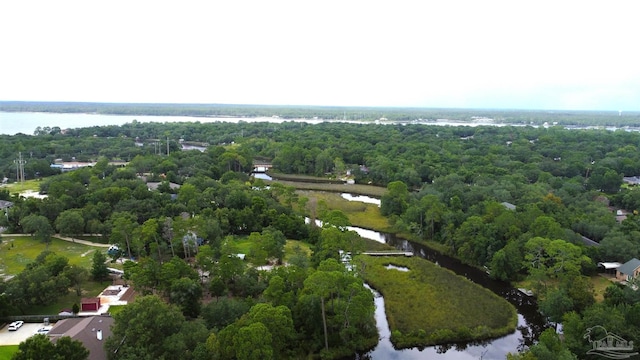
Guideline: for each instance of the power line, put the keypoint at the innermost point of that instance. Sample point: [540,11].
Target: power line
[20,167]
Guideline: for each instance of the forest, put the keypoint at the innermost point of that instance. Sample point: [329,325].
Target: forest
[445,186]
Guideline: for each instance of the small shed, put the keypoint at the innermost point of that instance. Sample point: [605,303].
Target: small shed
[608,267]
[90,304]
[66,312]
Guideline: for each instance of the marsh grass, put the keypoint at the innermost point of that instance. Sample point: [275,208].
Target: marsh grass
[430,305]
[16,252]
[360,214]
[303,182]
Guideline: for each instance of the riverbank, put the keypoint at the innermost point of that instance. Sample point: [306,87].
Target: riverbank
[429,305]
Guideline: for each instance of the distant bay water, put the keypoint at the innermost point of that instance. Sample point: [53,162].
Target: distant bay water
[12,123]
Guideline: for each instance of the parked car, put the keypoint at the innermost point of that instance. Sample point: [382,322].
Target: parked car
[16,325]
[43,330]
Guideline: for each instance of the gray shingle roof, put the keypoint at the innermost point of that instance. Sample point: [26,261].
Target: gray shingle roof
[628,267]
[84,329]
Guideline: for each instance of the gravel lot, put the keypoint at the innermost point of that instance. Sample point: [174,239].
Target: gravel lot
[16,337]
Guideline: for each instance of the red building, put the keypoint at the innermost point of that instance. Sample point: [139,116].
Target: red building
[90,304]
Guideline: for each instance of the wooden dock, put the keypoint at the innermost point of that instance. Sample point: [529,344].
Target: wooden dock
[388,253]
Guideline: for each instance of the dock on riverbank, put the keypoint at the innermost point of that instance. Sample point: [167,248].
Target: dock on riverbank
[388,253]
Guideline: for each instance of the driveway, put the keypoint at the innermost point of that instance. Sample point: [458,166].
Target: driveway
[16,337]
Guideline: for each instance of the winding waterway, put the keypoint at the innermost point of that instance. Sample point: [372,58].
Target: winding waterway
[530,322]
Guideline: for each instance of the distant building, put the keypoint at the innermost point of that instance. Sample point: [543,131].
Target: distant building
[155,185]
[631,180]
[4,204]
[588,242]
[509,206]
[65,166]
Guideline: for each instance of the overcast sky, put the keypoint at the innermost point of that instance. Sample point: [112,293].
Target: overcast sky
[559,54]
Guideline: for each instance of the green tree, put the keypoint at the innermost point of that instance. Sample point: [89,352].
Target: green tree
[69,223]
[99,270]
[506,263]
[186,293]
[69,349]
[37,347]
[253,342]
[278,321]
[40,347]
[395,201]
[124,225]
[77,275]
[131,336]
[38,226]
[555,304]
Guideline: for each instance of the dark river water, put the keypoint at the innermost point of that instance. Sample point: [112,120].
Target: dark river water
[530,322]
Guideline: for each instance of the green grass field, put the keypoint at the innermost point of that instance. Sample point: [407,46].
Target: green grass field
[16,252]
[89,289]
[430,305]
[7,351]
[17,187]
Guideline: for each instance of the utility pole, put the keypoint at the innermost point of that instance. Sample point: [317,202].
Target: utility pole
[19,167]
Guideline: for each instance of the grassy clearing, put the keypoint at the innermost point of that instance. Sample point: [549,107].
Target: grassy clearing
[600,284]
[17,252]
[430,305]
[19,187]
[89,289]
[7,351]
[290,248]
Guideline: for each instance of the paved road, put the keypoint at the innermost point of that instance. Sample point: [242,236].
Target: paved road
[79,241]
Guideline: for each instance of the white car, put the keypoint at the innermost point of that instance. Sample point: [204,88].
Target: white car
[44,330]
[15,325]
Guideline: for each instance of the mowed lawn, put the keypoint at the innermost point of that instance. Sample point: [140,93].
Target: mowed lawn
[16,252]
[6,352]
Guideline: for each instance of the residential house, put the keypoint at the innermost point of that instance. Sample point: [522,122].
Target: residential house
[629,270]
[91,331]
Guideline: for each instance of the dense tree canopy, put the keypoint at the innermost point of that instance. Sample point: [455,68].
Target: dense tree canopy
[516,200]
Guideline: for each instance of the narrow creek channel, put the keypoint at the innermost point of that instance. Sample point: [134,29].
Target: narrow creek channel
[530,322]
